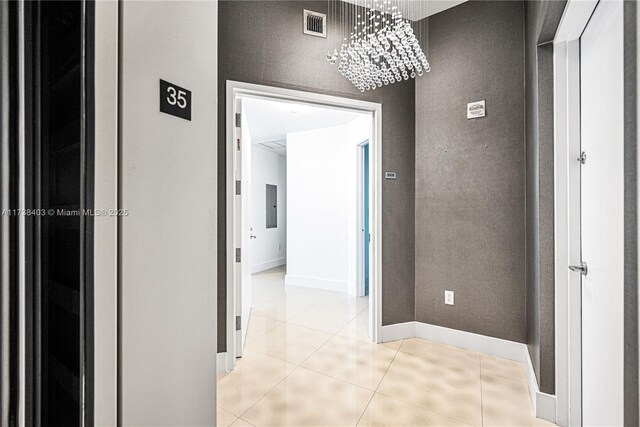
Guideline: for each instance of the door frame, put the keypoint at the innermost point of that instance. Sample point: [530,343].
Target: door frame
[360,291]
[235,89]
[567,242]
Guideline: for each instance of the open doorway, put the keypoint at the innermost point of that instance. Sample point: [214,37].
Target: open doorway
[303,197]
[364,238]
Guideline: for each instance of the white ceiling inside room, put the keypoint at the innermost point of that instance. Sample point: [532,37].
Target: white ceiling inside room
[270,120]
[418,9]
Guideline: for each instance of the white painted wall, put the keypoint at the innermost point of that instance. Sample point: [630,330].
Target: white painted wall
[269,248]
[168,240]
[322,227]
[106,227]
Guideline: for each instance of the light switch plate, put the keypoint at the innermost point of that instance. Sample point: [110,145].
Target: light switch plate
[448,297]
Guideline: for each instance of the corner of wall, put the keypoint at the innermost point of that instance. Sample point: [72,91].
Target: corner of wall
[424,41]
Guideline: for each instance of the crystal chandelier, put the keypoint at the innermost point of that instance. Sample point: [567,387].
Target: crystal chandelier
[379,46]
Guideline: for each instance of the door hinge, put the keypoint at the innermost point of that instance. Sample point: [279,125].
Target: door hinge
[238,120]
[238,187]
[583,158]
[238,323]
[238,255]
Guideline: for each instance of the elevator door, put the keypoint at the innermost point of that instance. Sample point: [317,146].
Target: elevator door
[62,188]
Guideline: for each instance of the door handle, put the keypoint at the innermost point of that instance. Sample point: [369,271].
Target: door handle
[582,268]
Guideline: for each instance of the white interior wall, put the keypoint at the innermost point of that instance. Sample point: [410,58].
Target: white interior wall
[322,227]
[167,182]
[269,248]
[105,227]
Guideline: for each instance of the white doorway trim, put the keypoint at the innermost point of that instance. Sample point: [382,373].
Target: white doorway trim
[566,71]
[235,90]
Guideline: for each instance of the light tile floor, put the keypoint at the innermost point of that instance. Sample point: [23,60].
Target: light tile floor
[308,362]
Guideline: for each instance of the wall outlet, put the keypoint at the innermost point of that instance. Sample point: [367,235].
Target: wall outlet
[448,297]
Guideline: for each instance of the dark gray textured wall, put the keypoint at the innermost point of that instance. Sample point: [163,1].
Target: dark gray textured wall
[541,22]
[262,42]
[631,415]
[532,216]
[470,174]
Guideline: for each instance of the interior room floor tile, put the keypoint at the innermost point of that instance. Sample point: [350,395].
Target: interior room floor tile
[393,345]
[224,418]
[504,368]
[385,411]
[323,319]
[282,309]
[308,295]
[241,423]
[357,362]
[507,403]
[260,324]
[316,366]
[451,356]
[289,342]
[434,386]
[333,402]
[344,302]
[254,376]
[358,328]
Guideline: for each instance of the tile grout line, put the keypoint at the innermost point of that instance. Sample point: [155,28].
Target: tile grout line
[427,391]
[365,408]
[300,366]
[388,367]
[325,343]
[297,365]
[378,386]
[406,402]
[351,339]
[318,330]
[267,392]
[342,379]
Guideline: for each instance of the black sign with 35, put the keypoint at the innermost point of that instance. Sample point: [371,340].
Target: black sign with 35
[175,100]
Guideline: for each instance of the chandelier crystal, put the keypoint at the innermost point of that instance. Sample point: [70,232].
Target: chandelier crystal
[381,47]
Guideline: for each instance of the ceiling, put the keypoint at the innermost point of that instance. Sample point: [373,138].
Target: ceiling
[418,9]
[270,121]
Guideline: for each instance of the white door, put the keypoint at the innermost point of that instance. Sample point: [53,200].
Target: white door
[241,224]
[602,222]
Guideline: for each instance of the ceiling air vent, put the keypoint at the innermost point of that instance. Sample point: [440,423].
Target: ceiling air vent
[272,145]
[315,24]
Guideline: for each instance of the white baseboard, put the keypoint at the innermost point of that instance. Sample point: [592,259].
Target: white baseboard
[544,404]
[399,331]
[222,363]
[316,283]
[268,265]
[475,342]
